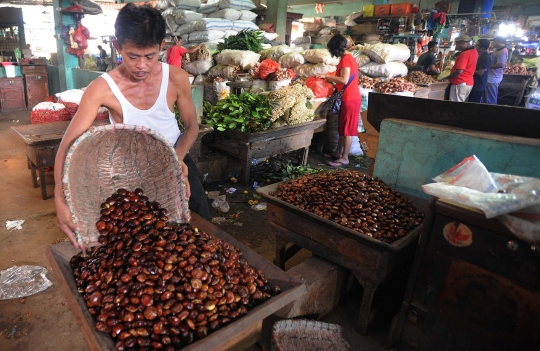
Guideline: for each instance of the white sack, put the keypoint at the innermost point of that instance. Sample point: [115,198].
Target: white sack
[213,23]
[247,15]
[208,8]
[198,67]
[237,4]
[309,69]
[388,70]
[186,16]
[320,56]
[291,60]
[192,5]
[241,25]
[206,35]
[243,58]
[384,53]
[230,14]
[185,28]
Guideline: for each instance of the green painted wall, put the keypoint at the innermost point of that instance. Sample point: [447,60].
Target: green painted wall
[81,77]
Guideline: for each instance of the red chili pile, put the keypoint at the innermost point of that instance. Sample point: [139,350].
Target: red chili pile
[154,284]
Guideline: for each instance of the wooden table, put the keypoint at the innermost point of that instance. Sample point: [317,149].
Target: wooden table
[513,87]
[249,146]
[42,142]
[238,335]
[370,260]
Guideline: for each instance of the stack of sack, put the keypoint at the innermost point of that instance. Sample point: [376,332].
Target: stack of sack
[207,23]
[387,60]
[318,61]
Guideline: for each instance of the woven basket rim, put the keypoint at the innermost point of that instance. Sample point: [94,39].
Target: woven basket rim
[95,131]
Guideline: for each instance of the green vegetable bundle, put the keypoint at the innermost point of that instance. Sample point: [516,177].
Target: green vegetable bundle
[245,40]
[248,112]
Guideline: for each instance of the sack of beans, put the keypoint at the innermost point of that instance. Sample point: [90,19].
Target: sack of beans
[46,112]
[103,113]
[71,99]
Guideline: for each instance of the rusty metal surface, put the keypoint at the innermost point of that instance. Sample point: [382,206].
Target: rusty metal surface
[60,254]
[335,228]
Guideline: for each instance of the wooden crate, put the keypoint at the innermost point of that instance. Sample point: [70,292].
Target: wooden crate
[238,335]
[372,142]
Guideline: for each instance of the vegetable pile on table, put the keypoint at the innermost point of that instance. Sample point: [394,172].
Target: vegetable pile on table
[420,78]
[395,85]
[517,69]
[368,82]
[244,40]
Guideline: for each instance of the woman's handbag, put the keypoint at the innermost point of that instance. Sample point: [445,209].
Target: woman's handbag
[335,98]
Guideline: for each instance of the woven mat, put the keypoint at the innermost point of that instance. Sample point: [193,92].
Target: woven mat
[304,335]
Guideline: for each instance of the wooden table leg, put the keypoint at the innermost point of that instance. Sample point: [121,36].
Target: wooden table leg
[34,175]
[281,253]
[304,156]
[43,183]
[364,316]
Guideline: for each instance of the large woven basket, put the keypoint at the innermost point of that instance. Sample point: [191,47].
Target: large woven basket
[304,335]
[110,157]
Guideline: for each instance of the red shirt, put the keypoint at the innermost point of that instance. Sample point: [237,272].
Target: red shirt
[352,92]
[174,55]
[467,62]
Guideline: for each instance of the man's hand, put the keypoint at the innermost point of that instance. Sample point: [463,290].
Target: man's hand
[65,222]
[184,177]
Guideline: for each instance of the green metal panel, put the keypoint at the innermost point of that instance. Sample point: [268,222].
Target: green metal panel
[54,79]
[197,92]
[410,153]
[82,77]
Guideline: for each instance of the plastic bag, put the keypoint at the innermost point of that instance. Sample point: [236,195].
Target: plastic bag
[384,53]
[519,193]
[291,60]
[268,67]
[230,14]
[389,70]
[243,58]
[319,87]
[470,173]
[533,101]
[259,207]
[220,203]
[16,282]
[278,84]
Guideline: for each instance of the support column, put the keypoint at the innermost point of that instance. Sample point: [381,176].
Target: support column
[277,13]
[66,61]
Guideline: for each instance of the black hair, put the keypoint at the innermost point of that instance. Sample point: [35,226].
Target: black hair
[483,43]
[99,46]
[501,39]
[432,44]
[142,25]
[337,45]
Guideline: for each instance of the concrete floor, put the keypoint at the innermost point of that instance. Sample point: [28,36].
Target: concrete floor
[44,321]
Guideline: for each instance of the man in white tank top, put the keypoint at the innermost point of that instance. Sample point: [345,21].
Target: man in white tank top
[141,91]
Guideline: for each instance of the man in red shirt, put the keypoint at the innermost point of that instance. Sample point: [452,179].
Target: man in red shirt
[462,74]
[176,51]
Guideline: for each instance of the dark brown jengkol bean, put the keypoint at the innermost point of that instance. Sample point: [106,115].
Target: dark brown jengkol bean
[159,284]
[354,200]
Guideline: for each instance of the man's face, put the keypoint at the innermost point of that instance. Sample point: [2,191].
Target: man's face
[139,61]
[497,43]
[435,49]
[478,48]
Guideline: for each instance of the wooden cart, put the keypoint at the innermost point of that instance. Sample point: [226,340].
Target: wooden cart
[512,88]
[238,335]
[370,260]
[249,146]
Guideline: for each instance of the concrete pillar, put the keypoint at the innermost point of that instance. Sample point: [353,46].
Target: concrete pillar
[66,61]
[276,13]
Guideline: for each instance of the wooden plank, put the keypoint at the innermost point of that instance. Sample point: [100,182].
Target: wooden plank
[331,226]
[34,134]
[245,328]
[274,133]
[506,120]
[265,148]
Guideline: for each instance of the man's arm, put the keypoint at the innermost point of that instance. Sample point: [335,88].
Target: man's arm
[501,61]
[186,108]
[83,119]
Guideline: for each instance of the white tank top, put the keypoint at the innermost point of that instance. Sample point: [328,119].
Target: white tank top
[158,117]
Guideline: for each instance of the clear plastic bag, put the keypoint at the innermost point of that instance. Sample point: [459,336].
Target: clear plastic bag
[220,202]
[470,173]
[16,282]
